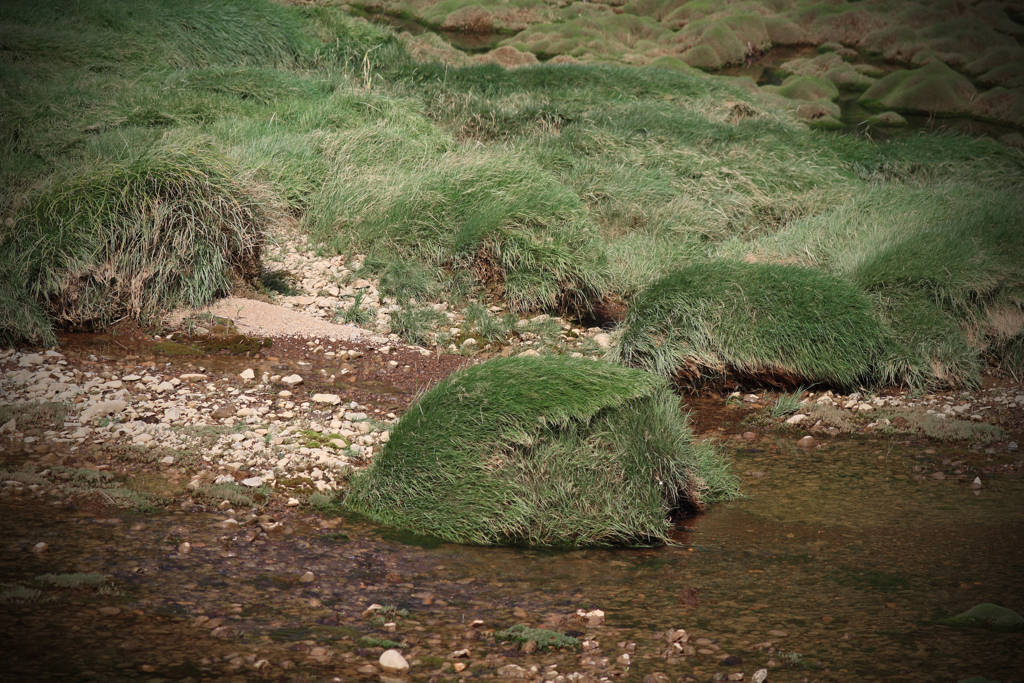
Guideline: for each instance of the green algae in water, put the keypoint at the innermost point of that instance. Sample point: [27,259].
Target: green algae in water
[176,349]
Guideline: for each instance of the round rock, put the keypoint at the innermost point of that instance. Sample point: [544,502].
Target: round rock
[393,662]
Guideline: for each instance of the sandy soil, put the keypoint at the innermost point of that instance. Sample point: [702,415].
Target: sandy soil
[262,319]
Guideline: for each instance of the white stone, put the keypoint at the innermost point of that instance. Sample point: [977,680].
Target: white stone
[393,662]
[131,378]
[247,374]
[292,502]
[603,340]
[796,419]
[169,460]
[253,482]
[291,380]
[30,359]
[163,386]
[173,413]
[143,438]
[759,676]
[333,399]
[102,409]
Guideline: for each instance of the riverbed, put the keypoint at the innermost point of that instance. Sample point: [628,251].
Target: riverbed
[839,565]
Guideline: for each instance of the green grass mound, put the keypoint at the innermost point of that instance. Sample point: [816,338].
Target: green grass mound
[990,616]
[548,451]
[934,89]
[756,319]
[170,227]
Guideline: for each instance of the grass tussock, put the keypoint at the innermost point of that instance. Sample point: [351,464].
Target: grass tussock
[762,320]
[939,262]
[543,451]
[130,239]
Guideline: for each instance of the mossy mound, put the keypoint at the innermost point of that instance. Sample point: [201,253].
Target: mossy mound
[1001,104]
[886,118]
[543,451]
[805,88]
[989,616]
[934,89]
[764,320]
[711,44]
[831,67]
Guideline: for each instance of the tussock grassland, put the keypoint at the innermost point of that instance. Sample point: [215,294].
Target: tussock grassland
[546,186]
[505,452]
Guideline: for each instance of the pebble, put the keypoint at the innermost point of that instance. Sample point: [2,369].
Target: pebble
[291,380]
[40,547]
[308,577]
[247,374]
[807,442]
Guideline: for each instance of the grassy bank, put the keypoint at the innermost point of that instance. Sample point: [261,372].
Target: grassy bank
[545,187]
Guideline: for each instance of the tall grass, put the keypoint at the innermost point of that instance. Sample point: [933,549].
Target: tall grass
[544,451]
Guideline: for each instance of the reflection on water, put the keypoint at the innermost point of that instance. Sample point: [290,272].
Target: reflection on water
[839,556]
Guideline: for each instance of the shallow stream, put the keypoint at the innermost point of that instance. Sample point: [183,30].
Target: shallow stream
[838,566]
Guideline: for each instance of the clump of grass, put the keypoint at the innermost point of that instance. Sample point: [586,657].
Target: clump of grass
[545,451]
[168,227]
[356,313]
[388,613]
[414,324]
[487,327]
[215,493]
[787,403]
[754,319]
[545,638]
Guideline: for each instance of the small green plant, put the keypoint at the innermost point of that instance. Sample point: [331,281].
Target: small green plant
[356,313]
[794,660]
[548,329]
[388,613]
[521,633]
[324,503]
[371,641]
[787,404]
